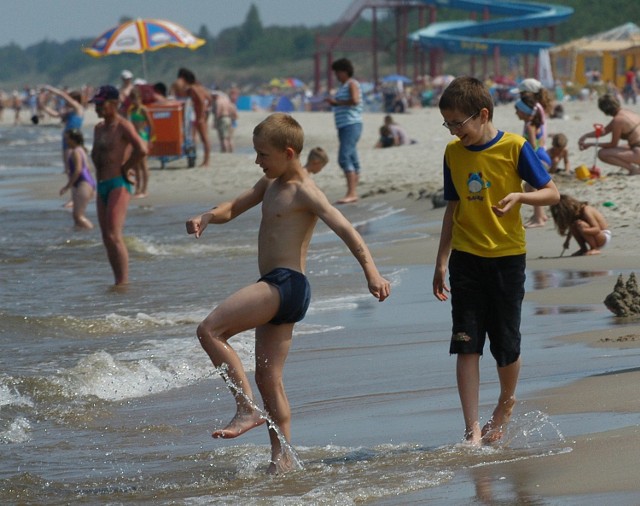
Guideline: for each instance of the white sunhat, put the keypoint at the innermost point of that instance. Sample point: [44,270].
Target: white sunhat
[531,85]
[126,74]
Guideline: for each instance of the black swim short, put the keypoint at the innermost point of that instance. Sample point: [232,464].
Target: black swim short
[486,300]
[295,294]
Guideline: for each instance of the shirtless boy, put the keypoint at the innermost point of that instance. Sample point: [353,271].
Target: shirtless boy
[291,206]
[117,148]
[316,160]
[559,152]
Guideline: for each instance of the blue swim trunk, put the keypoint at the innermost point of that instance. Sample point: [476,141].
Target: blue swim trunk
[105,187]
[295,294]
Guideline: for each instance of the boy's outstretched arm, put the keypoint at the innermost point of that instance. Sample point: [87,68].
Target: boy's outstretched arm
[379,287]
[545,196]
[227,211]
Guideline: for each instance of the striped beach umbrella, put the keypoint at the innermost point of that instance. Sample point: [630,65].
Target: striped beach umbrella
[140,36]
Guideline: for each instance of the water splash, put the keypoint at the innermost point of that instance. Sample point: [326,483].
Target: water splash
[288,453]
[530,430]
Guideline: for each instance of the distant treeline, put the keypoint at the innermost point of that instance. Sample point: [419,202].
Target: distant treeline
[252,53]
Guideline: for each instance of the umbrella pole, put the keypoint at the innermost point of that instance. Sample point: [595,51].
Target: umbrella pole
[144,66]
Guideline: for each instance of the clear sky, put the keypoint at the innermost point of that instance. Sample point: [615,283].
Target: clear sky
[27,22]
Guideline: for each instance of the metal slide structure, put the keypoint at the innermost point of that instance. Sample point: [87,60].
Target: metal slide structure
[471,37]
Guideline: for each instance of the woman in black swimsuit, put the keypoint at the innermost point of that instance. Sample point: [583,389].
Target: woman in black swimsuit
[624,126]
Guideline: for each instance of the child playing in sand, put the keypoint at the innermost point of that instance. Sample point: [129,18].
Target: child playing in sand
[317,159]
[559,153]
[291,205]
[583,222]
[80,180]
[483,242]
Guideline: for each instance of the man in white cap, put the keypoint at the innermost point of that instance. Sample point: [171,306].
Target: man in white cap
[531,85]
[125,90]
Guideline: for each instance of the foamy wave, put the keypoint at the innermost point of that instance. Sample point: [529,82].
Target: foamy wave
[18,432]
[140,320]
[337,303]
[103,376]
[150,247]
[157,366]
[169,319]
[10,397]
[302,329]
[381,210]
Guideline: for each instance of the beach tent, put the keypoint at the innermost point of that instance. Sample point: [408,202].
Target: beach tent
[610,53]
[285,104]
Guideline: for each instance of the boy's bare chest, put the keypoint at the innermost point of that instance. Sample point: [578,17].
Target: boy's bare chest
[280,208]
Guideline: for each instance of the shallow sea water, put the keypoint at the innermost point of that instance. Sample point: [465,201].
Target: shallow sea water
[107,397]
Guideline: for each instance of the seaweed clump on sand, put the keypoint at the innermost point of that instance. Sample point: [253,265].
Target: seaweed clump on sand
[625,298]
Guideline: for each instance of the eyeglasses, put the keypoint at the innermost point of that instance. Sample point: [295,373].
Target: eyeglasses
[456,125]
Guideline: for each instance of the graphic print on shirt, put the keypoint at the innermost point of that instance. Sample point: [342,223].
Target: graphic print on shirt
[475,185]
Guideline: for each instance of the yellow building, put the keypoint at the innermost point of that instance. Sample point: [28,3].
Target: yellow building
[609,53]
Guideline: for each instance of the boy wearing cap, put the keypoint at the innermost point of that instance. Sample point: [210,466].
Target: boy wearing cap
[117,148]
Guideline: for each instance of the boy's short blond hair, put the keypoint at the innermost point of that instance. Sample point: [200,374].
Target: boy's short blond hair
[282,131]
[318,154]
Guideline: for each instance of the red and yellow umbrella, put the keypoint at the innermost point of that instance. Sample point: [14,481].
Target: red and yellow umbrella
[140,36]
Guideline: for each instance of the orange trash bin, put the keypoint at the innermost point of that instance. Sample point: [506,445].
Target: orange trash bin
[171,140]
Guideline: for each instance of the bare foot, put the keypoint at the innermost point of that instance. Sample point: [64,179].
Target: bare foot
[347,200]
[473,437]
[239,424]
[535,224]
[281,464]
[205,163]
[593,252]
[634,170]
[494,429]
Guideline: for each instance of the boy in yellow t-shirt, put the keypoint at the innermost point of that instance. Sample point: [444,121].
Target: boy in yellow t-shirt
[483,243]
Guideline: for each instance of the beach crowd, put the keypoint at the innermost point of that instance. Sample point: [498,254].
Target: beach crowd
[482,232]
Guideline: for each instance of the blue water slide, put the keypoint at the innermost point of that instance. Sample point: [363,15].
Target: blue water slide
[471,36]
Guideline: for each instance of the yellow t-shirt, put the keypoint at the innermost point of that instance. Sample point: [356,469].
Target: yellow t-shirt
[479,177]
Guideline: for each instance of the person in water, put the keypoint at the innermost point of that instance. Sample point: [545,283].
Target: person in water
[141,118]
[117,148]
[291,205]
[80,181]
[483,245]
